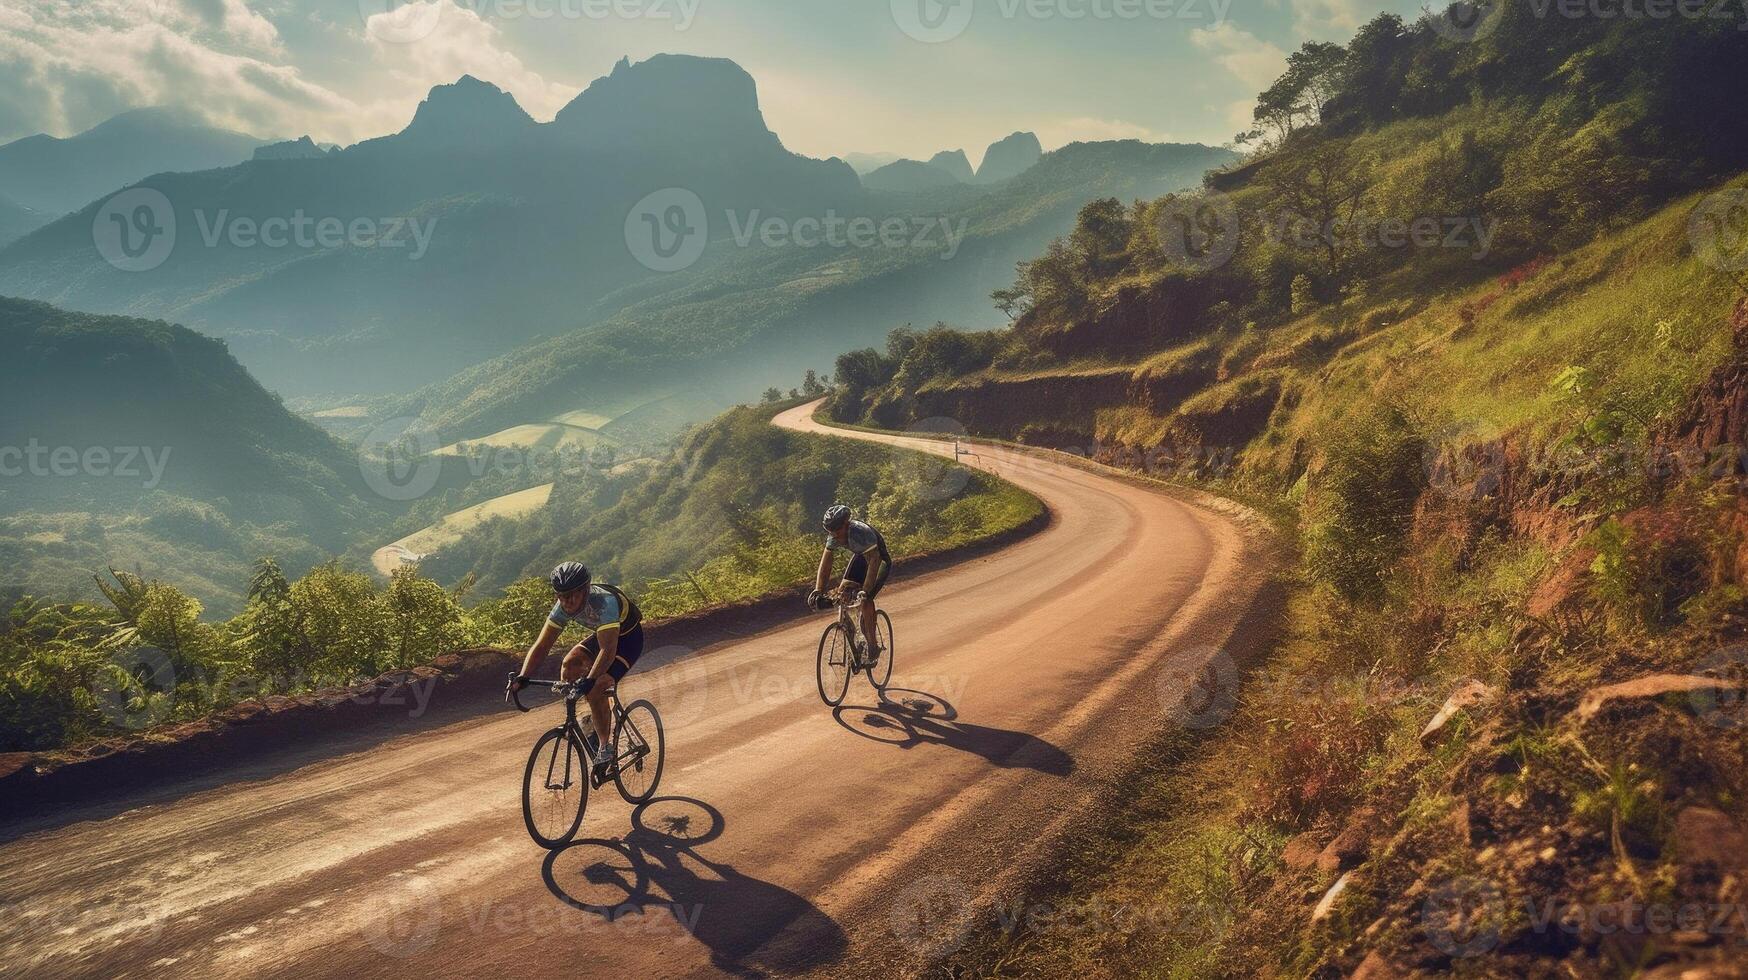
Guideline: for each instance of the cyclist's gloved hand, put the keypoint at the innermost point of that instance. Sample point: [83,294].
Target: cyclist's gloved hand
[585,685]
[516,683]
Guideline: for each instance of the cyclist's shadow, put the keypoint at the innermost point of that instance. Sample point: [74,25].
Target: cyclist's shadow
[905,718]
[751,927]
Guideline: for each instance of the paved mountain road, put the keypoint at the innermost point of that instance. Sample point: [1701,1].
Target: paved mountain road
[788,839]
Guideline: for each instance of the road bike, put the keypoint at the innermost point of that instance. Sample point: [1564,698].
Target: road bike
[843,652]
[560,773]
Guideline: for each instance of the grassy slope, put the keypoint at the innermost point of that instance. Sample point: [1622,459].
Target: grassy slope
[1204,838]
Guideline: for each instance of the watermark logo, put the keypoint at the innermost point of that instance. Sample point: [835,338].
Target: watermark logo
[1465,22]
[1725,707]
[135,231]
[1199,687]
[1461,917]
[930,915]
[667,230]
[682,687]
[936,478]
[403,920]
[1199,231]
[138,690]
[939,21]
[932,21]
[1462,465]
[1718,230]
[398,459]
[400,21]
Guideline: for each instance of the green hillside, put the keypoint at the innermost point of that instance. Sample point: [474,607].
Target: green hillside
[142,442]
[1510,466]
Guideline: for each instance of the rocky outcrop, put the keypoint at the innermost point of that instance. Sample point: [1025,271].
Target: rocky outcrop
[1057,411]
[1009,157]
[955,163]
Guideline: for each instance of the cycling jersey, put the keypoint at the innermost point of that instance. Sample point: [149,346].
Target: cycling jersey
[861,540]
[605,607]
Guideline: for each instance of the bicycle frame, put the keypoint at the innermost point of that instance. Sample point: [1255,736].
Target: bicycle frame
[621,722]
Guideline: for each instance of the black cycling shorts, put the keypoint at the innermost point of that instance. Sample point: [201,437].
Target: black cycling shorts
[857,573]
[630,648]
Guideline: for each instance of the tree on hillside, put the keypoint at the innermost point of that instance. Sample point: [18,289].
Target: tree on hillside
[1320,191]
[1297,99]
[773,395]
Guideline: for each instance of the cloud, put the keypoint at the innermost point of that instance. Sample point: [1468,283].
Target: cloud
[65,67]
[1253,61]
[443,41]
[1330,19]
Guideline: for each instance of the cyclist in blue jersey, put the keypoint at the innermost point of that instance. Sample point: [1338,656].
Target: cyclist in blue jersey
[615,626]
[869,565]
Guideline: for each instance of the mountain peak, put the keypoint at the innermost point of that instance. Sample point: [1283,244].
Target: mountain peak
[468,110]
[955,163]
[1010,156]
[668,99]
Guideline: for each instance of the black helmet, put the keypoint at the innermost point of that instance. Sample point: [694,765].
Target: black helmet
[570,576]
[836,516]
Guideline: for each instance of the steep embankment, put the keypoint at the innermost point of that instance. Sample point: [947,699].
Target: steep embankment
[1520,494]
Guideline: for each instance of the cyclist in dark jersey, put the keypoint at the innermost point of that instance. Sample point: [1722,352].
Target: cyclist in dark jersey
[615,626]
[869,565]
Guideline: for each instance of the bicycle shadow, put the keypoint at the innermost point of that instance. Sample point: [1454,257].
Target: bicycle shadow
[751,927]
[906,718]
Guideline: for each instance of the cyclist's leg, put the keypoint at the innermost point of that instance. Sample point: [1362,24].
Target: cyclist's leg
[869,609]
[630,648]
[577,661]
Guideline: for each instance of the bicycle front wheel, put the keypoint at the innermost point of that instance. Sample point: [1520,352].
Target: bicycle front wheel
[639,749]
[881,674]
[555,789]
[833,667]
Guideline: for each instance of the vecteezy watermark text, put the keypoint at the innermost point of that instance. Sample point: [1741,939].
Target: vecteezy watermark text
[137,231]
[33,459]
[303,231]
[668,230]
[1473,233]
[938,21]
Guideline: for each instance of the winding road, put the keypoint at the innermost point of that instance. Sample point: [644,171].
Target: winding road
[789,838]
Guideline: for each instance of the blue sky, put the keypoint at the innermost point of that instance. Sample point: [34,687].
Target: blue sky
[835,76]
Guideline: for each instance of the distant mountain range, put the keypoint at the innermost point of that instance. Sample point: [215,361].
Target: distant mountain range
[55,176]
[476,231]
[1006,158]
[746,318]
[526,226]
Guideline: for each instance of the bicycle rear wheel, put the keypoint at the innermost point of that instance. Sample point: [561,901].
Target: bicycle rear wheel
[833,668]
[881,673]
[555,789]
[639,748]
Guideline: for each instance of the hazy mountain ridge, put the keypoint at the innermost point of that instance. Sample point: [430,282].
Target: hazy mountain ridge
[55,176]
[528,225]
[749,314]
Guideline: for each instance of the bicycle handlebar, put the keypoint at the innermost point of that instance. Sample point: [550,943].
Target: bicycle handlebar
[567,688]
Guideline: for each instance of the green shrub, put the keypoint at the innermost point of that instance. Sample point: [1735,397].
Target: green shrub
[1361,502]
